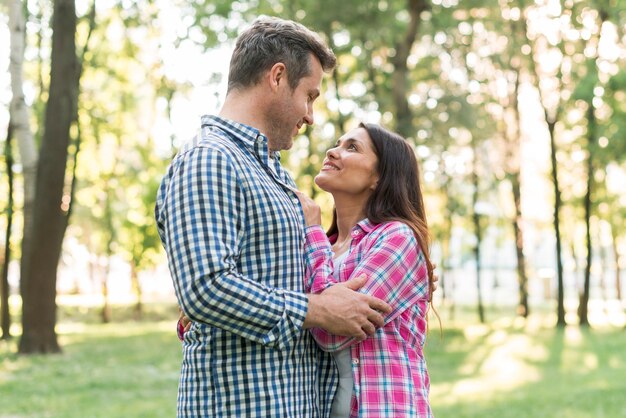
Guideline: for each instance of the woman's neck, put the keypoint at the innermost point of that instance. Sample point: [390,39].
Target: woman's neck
[349,213]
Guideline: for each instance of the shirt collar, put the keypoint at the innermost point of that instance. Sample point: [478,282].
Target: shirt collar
[362,228]
[251,137]
[365,225]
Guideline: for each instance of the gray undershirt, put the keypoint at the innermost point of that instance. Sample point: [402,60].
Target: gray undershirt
[343,359]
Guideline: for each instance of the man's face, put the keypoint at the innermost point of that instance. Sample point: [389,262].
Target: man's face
[294,108]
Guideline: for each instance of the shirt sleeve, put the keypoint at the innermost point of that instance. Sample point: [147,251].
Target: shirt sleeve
[318,260]
[394,265]
[203,222]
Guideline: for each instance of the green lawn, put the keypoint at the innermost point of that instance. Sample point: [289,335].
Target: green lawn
[108,371]
[510,368]
[528,369]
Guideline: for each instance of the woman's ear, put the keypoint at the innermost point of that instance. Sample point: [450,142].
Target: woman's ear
[374,184]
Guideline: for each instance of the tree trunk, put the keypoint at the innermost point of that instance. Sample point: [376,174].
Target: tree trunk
[341,119]
[20,120]
[551,116]
[518,229]
[106,306]
[40,262]
[20,117]
[445,256]
[478,233]
[603,267]
[75,119]
[134,278]
[108,219]
[39,17]
[518,225]
[447,285]
[400,81]
[583,307]
[5,313]
[560,310]
[616,257]
[447,280]
[576,265]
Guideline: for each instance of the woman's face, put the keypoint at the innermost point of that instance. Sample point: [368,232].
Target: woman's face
[350,167]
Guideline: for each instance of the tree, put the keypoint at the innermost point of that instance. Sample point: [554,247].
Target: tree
[511,64]
[478,228]
[20,114]
[5,314]
[586,93]
[551,101]
[138,236]
[613,154]
[583,318]
[400,78]
[514,175]
[20,119]
[40,259]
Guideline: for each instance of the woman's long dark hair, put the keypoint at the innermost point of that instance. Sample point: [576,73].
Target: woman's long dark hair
[398,193]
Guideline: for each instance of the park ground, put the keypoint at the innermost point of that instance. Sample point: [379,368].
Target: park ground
[509,368]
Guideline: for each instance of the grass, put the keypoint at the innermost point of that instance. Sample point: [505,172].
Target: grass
[123,369]
[518,369]
[508,369]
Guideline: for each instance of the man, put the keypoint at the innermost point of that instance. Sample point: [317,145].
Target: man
[232,227]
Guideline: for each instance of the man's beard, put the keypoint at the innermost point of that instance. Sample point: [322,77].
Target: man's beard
[280,133]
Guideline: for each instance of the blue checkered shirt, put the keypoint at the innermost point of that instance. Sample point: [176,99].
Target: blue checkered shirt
[234,237]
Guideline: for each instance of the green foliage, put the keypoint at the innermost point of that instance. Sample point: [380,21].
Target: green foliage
[118,169]
[463,64]
[138,237]
[585,88]
[615,128]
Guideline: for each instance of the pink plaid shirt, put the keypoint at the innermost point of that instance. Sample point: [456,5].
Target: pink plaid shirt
[389,369]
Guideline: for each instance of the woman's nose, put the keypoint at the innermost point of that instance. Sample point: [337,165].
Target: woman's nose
[332,153]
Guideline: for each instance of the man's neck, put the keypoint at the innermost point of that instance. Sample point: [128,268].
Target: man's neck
[245,107]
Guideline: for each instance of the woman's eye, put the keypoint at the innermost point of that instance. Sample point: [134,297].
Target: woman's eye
[352,147]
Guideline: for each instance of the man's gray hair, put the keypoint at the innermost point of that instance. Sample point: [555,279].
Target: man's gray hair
[271,40]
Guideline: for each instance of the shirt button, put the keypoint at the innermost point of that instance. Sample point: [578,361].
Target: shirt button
[355,361]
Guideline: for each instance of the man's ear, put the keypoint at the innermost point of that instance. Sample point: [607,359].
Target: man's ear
[277,76]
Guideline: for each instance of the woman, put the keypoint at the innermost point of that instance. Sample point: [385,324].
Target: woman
[379,229]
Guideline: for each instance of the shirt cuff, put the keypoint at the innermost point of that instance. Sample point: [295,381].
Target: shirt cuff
[315,238]
[180,330]
[296,307]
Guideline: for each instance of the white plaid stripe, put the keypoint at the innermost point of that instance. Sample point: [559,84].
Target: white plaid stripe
[233,233]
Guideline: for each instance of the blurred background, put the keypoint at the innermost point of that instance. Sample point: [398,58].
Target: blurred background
[517,113]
